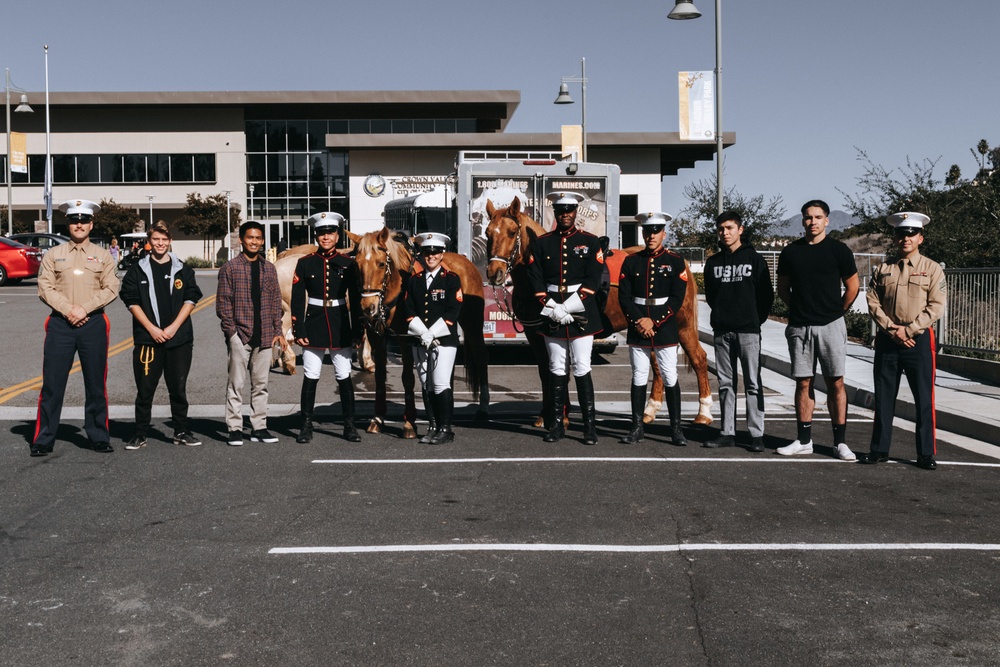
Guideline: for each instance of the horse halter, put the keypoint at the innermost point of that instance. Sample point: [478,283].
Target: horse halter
[515,251]
[502,299]
[381,319]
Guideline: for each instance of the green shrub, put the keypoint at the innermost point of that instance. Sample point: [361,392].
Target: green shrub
[199,263]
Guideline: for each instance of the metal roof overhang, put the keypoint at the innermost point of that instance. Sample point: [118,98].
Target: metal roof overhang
[674,153]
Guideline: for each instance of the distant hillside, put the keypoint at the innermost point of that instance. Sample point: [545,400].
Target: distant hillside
[793,226]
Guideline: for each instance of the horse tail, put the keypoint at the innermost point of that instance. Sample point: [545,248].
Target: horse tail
[475,354]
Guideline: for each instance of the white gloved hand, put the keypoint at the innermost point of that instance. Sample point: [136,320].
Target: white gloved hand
[547,308]
[558,313]
[567,320]
[426,338]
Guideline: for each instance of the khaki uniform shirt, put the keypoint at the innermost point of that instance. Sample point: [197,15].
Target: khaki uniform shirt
[77,275]
[908,292]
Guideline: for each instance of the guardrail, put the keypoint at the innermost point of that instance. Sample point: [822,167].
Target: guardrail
[971,322]
[866,262]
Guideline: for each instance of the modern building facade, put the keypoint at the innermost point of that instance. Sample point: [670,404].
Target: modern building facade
[282,156]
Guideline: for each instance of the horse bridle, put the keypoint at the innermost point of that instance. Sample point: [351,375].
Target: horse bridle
[504,304]
[381,319]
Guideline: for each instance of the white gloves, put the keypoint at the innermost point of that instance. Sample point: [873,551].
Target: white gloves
[574,304]
[558,313]
[427,338]
[440,328]
[562,313]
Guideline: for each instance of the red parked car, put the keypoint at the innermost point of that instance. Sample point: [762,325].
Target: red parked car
[17,261]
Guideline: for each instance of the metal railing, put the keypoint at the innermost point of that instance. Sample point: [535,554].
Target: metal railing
[971,321]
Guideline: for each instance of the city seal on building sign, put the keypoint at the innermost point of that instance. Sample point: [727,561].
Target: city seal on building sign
[374,185]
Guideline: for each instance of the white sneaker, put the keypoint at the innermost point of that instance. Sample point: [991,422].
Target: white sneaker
[796,448]
[845,453]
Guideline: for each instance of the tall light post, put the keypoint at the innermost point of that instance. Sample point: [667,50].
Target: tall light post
[22,108]
[250,215]
[564,98]
[226,240]
[150,198]
[686,10]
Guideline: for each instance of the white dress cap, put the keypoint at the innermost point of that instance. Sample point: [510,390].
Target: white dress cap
[563,198]
[79,208]
[908,219]
[654,218]
[433,240]
[326,219]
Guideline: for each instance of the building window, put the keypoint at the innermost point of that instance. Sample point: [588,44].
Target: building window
[156,168]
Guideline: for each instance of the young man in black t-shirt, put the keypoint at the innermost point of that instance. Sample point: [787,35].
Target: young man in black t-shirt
[811,272]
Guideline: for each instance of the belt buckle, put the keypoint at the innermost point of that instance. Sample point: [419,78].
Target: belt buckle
[328,303]
[562,289]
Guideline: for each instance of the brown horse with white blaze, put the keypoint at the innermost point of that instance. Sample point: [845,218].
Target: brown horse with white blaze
[508,235]
[384,263]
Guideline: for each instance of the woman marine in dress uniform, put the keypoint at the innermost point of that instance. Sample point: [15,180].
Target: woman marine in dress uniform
[651,290]
[565,268]
[324,298]
[431,307]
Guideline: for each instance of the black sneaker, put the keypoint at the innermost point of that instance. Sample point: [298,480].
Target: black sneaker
[186,438]
[235,438]
[103,447]
[262,435]
[137,442]
[757,445]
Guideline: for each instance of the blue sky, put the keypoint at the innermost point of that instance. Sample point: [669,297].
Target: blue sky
[805,83]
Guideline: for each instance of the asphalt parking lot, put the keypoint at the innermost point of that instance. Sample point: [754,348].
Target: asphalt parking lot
[495,550]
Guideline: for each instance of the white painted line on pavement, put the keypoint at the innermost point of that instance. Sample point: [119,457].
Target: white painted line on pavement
[625,459]
[636,548]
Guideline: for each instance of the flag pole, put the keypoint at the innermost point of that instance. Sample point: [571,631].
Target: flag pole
[48,148]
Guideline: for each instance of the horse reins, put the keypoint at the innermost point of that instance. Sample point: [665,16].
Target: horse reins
[382,319]
[504,304]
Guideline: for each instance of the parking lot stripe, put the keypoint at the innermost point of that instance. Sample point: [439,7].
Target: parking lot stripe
[623,459]
[637,548]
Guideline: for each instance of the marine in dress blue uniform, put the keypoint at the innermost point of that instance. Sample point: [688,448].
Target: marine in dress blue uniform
[651,289]
[324,297]
[905,298]
[77,280]
[431,307]
[565,268]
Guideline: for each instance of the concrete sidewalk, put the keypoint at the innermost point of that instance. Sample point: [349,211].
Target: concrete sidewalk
[964,407]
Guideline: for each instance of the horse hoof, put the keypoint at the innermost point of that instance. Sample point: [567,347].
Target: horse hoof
[539,422]
[374,426]
[409,432]
[703,420]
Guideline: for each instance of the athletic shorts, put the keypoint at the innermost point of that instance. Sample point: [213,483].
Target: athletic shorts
[826,344]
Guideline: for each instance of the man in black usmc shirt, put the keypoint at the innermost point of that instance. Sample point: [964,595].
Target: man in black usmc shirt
[326,315]
[738,289]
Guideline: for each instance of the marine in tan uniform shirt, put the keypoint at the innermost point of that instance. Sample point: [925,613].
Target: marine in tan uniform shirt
[77,280]
[905,298]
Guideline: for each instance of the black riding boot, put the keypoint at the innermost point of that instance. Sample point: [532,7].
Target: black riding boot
[431,421]
[444,408]
[585,394]
[347,406]
[674,406]
[638,395]
[307,403]
[559,387]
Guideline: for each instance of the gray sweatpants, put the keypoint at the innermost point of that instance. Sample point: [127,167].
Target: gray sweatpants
[745,347]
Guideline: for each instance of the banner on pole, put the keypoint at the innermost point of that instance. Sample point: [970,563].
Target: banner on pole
[19,152]
[572,141]
[697,105]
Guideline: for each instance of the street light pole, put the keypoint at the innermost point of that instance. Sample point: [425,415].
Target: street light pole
[564,98]
[227,238]
[150,225]
[683,9]
[22,107]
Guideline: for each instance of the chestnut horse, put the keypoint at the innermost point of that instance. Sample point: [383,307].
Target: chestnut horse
[384,264]
[508,235]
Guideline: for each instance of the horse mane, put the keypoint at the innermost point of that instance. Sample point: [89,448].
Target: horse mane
[398,252]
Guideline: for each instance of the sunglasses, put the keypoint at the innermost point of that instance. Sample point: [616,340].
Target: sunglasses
[907,231]
[432,251]
[649,230]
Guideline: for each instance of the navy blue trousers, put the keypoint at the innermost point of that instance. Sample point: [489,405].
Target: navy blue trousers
[63,342]
[919,364]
